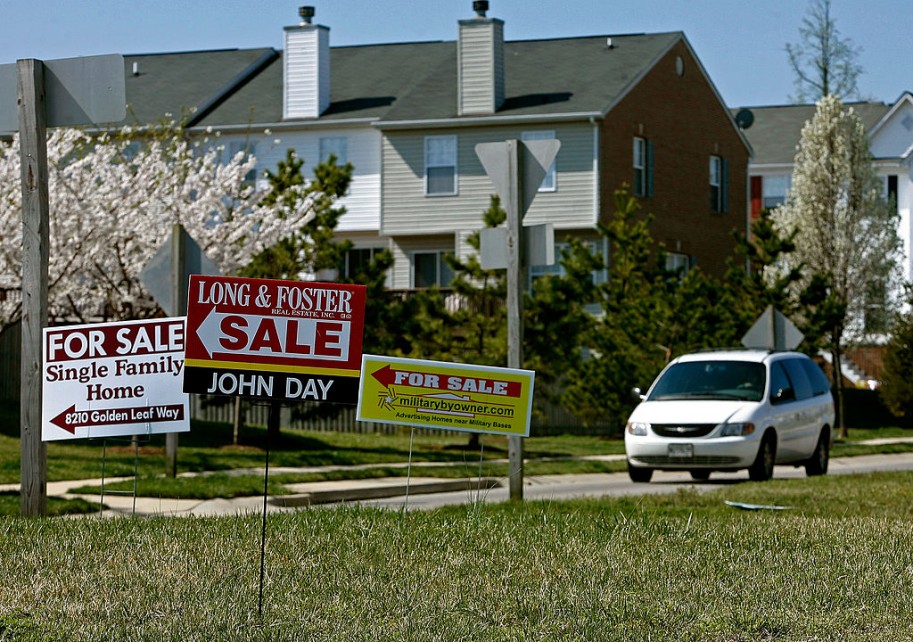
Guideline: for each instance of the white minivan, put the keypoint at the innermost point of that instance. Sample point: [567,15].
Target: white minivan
[732,410]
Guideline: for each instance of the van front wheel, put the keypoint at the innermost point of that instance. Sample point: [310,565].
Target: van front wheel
[763,467]
[639,475]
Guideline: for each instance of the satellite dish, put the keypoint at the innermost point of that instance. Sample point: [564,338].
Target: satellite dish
[744,118]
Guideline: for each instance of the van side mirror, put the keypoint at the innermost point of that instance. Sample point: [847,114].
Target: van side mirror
[784,394]
[637,395]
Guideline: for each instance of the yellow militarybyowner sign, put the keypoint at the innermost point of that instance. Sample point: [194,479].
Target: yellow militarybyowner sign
[448,396]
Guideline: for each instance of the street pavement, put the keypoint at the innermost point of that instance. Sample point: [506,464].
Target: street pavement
[417,493]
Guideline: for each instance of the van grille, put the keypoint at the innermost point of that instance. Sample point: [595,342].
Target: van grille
[702,460]
[683,430]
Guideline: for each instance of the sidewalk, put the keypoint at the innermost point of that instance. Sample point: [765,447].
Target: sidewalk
[302,494]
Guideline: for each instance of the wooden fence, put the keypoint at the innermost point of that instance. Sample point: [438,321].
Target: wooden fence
[341,418]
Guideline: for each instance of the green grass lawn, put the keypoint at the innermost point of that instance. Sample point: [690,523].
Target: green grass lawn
[683,567]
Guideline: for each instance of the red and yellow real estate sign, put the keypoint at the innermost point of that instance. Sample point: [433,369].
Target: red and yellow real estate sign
[447,396]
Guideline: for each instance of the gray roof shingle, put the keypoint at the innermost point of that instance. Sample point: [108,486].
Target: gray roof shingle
[175,83]
[392,82]
[776,131]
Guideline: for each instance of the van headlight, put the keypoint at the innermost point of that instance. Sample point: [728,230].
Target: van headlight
[739,429]
[638,428]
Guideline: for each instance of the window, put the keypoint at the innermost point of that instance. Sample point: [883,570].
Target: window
[774,190]
[536,271]
[429,269]
[677,262]
[820,384]
[781,389]
[357,260]
[890,190]
[719,184]
[799,378]
[440,165]
[336,146]
[643,167]
[876,314]
[549,183]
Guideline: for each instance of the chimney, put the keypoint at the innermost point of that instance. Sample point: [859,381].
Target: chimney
[480,63]
[306,68]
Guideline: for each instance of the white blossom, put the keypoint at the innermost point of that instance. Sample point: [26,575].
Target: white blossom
[845,229]
[113,200]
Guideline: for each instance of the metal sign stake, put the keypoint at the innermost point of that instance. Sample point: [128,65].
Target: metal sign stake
[272,423]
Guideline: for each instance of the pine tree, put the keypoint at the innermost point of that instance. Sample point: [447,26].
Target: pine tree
[312,247]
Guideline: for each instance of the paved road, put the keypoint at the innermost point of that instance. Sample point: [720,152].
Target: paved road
[556,487]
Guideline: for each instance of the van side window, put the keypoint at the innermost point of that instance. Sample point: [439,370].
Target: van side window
[820,384]
[798,377]
[781,390]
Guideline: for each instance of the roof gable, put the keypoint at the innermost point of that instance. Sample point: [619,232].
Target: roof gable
[892,136]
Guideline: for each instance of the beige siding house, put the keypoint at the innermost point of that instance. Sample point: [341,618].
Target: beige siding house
[408,116]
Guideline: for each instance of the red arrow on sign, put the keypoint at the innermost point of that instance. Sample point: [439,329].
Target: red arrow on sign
[387,376]
[71,418]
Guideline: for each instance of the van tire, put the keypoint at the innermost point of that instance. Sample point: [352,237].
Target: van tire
[763,467]
[639,475]
[817,463]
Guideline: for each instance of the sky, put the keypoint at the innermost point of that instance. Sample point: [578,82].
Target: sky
[741,43]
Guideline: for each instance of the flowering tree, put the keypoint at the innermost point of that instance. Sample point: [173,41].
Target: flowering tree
[113,201]
[844,230]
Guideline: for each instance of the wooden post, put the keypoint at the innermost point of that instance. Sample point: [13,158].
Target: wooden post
[514,305]
[179,303]
[33,155]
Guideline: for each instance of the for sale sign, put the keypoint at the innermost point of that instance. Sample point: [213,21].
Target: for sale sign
[448,396]
[114,379]
[262,338]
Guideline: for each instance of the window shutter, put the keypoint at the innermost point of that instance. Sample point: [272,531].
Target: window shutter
[649,168]
[724,185]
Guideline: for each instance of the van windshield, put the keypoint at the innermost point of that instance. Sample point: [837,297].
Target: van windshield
[739,380]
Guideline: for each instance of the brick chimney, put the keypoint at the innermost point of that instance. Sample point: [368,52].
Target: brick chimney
[480,63]
[306,68]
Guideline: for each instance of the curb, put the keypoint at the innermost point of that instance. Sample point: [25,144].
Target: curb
[350,494]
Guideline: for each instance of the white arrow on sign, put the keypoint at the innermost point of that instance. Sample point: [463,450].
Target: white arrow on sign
[288,337]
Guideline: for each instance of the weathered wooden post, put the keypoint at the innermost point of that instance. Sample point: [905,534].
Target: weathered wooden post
[33,153]
[516,168]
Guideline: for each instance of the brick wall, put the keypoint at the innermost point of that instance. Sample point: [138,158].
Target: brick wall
[686,123]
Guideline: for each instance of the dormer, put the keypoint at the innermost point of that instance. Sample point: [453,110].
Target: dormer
[306,68]
[480,63]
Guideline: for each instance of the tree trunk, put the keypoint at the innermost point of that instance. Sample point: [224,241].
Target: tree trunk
[838,383]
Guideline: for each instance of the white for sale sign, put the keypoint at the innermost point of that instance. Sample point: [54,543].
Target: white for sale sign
[114,379]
